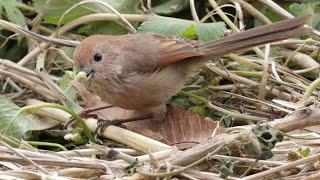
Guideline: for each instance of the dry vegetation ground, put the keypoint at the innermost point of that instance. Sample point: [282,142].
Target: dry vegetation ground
[264,103]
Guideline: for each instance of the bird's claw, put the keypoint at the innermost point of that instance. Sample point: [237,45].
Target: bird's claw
[102,124]
[85,113]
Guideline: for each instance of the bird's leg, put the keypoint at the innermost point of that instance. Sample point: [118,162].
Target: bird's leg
[102,124]
[85,113]
[159,112]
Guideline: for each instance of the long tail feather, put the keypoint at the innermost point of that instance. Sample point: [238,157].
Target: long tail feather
[257,36]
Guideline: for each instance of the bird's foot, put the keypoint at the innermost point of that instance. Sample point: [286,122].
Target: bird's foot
[86,113]
[102,124]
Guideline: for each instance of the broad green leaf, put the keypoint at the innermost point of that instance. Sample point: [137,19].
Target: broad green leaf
[209,31]
[316,14]
[58,7]
[273,17]
[303,9]
[59,59]
[12,12]
[166,7]
[13,122]
[164,26]
[189,29]
[102,28]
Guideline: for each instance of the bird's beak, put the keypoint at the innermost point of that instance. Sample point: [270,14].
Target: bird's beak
[87,71]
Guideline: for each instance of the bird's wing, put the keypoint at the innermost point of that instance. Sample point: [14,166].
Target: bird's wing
[175,48]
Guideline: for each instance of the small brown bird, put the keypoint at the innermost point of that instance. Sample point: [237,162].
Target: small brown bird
[142,71]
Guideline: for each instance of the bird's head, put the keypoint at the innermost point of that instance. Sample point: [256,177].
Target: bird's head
[95,55]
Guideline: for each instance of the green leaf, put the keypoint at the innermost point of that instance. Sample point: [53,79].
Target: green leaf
[303,9]
[209,31]
[13,14]
[273,17]
[59,59]
[189,29]
[58,7]
[67,88]
[13,122]
[164,26]
[166,7]
[102,28]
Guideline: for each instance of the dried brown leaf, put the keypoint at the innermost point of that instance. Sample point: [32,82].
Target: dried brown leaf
[180,127]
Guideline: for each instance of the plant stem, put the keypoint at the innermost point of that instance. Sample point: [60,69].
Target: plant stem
[230,24]
[24,6]
[244,61]
[248,73]
[173,173]
[72,113]
[35,143]
[310,89]
[289,58]
[201,99]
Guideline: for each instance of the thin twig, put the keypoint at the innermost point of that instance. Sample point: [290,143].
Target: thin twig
[238,115]
[265,74]
[53,162]
[34,86]
[230,24]
[25,158]
[289,165]
[194,11]
[93,1]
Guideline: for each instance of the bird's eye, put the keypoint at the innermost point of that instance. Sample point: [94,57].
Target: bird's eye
[97,57]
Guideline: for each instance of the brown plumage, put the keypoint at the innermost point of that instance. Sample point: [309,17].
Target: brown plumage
[142,71]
